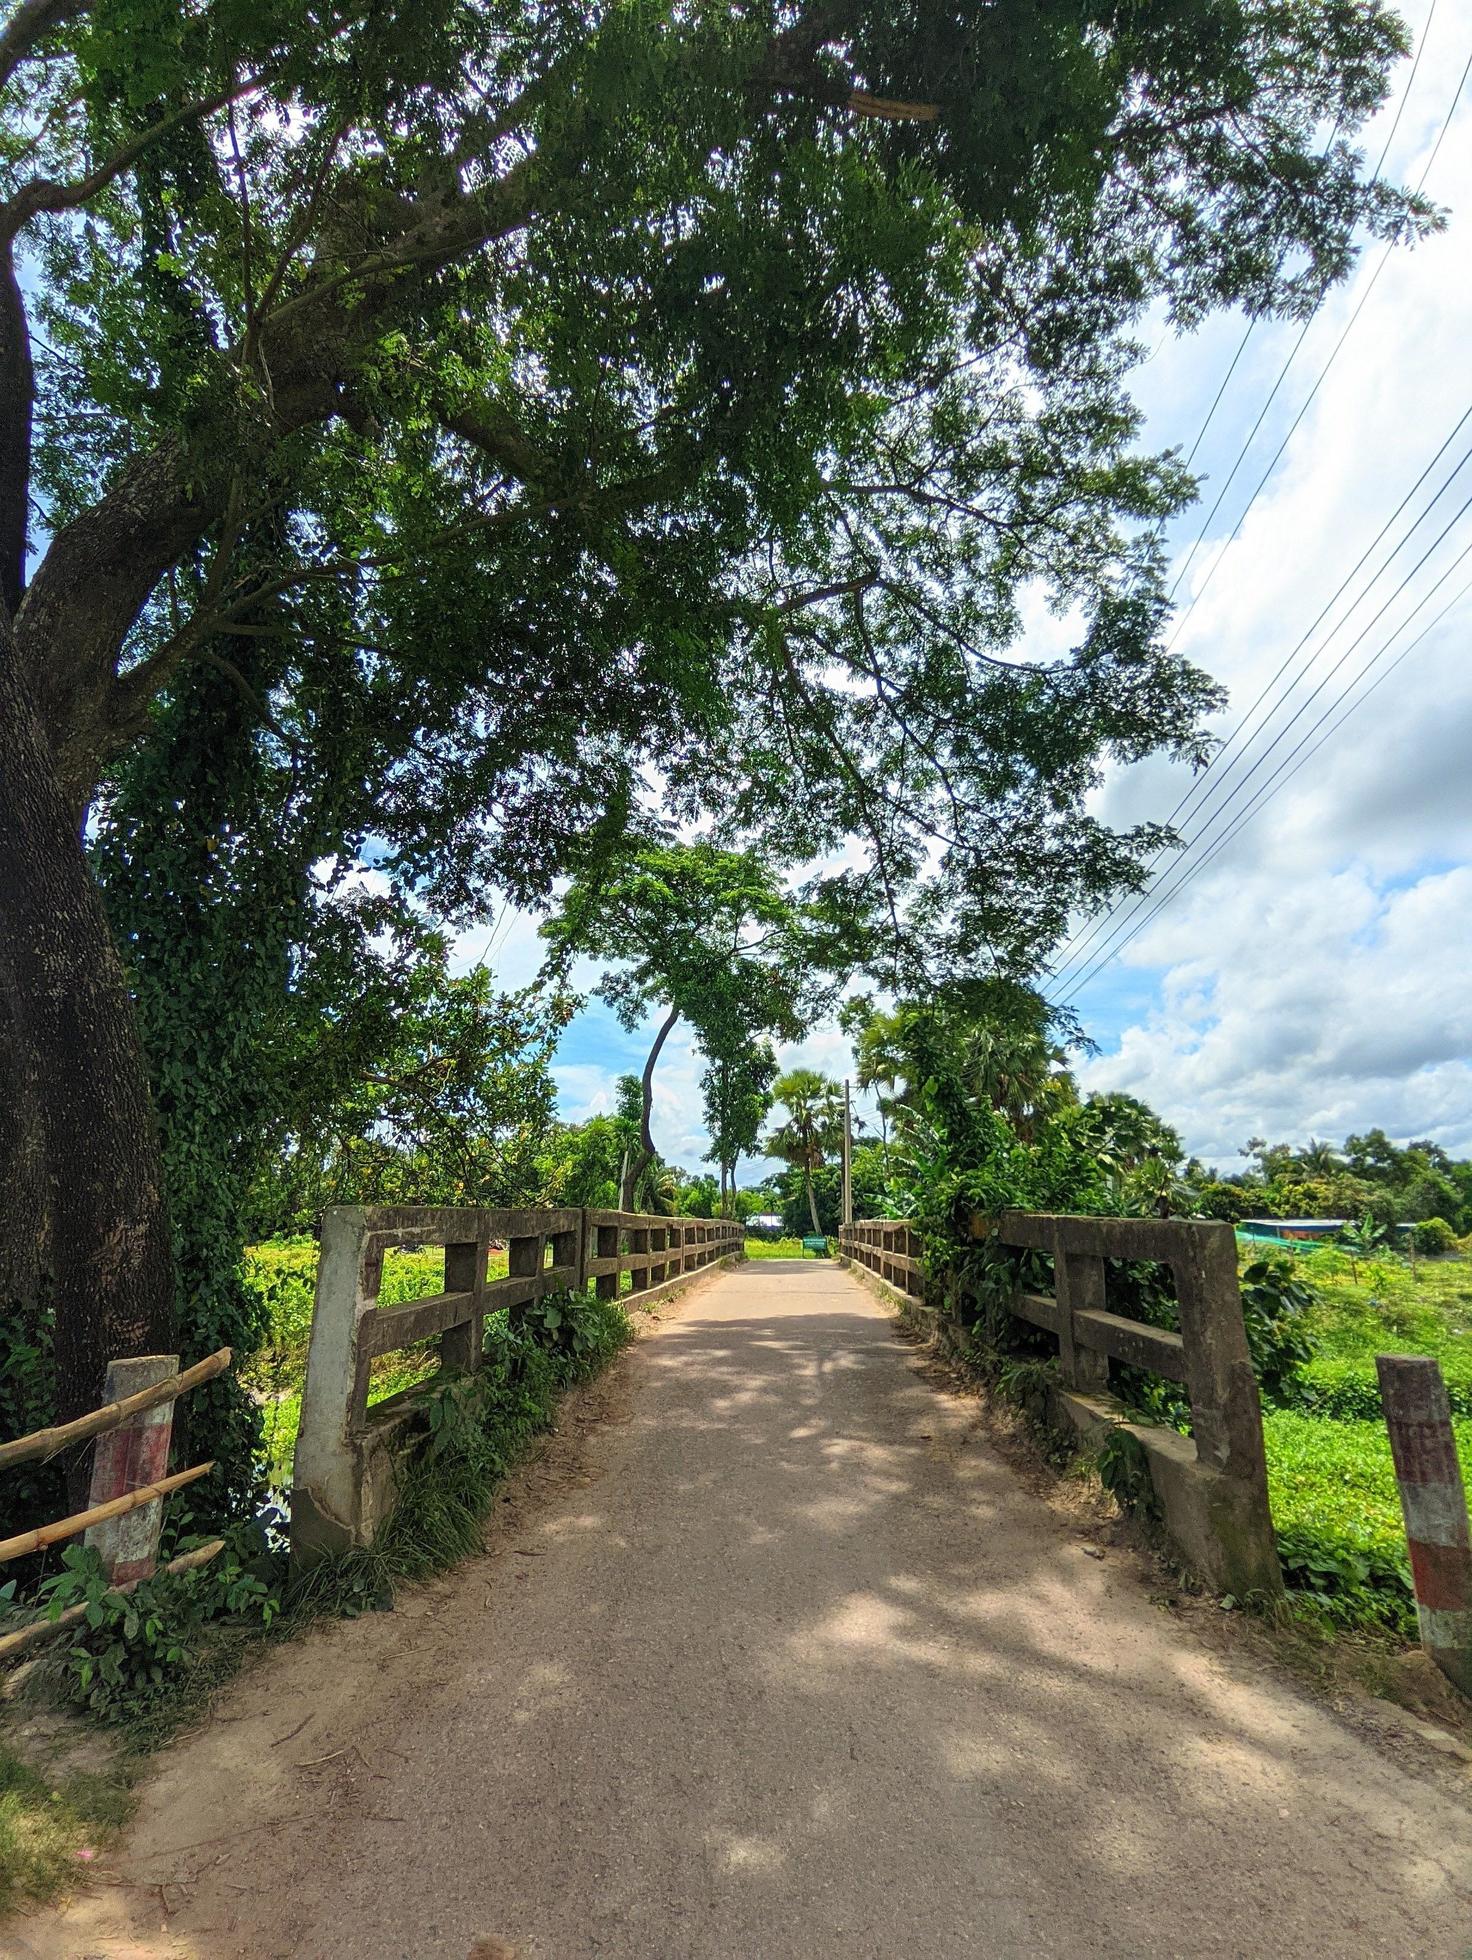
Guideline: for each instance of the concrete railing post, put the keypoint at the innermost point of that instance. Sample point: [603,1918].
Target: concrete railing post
[606,1247]
[465,1272]
[1078,1285]
[325,1495]
[128,1457]
[1433,1502]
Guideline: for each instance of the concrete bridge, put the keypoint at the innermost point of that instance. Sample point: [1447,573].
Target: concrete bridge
[772,1654]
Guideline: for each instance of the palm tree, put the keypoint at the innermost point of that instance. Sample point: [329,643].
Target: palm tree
[814,1106]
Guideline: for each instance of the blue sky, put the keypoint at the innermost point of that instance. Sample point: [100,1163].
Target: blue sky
[1313,977]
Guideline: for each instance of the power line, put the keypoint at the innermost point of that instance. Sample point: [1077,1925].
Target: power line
[1351,708]
[1253,322]
[1068,956]
[1300,710]
[1268,790]
[1077,946]
[1307,401]
[1293,351]
[1369,586]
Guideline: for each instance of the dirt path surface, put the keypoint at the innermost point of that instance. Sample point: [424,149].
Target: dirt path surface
[781,1661]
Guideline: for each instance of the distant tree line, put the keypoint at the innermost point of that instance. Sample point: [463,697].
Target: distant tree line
[1367,1176]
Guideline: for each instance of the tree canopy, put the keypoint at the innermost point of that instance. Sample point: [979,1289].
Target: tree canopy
[811,1128]
[736,1091]
[520,415]
[703,934]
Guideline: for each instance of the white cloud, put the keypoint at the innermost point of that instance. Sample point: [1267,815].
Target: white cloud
[1331,1014]
[1311,980]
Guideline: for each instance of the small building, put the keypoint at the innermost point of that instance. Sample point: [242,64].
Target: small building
[765,1224]
[1292,1228]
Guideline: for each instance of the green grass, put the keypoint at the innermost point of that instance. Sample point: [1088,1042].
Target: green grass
[284,1273]
[1330,1476]
[50,1827]
[1338,1518]
[779,1249]
[1385,1309]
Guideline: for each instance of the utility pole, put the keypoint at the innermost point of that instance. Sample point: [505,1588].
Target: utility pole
[848,1156]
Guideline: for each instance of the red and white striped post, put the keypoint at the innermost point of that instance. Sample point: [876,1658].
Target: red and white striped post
[1419,1418]
[126,1458]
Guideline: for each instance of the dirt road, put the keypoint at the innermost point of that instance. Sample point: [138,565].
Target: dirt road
[781,1660]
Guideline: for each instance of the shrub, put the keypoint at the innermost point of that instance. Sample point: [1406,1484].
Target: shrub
[136,1649]
[1348,1390]
[1276,1304]
[1433,1235]
[1214,1198]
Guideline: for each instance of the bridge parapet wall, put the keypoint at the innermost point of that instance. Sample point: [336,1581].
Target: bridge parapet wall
[1211,1486]
[348,1451]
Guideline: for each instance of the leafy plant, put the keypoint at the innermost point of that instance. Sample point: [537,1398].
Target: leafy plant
[1124,1471]
[1346,1585]
[1276,1303]
[1362,1241]
[1028,1383]
[138,1648]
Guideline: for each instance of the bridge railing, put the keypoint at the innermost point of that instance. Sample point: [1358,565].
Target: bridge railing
[887,1247]
[347,1450]
[1211,1486]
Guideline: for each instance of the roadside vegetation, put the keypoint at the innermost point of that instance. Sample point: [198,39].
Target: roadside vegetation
[982,1112]
[465,463]
[1340,1532]
[144,1664]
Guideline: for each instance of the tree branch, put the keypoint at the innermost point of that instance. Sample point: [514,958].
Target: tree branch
[30,23]
[844,589]
[49,194]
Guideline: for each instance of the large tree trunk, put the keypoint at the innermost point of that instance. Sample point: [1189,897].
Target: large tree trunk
[83,1222]
[812,1201]
[635,1160]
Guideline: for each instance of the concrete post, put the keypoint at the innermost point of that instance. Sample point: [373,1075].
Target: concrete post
[128,1457]
[465,1272]
[525,1258]
[1078,1286]
[1434,1505]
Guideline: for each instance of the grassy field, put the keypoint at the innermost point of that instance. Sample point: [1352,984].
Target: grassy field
[1329,1470]
[284,1274]
[781,1249]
